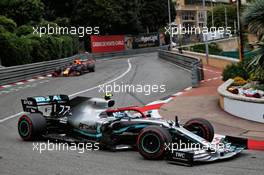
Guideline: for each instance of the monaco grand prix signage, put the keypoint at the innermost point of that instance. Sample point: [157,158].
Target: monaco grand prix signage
[111,43]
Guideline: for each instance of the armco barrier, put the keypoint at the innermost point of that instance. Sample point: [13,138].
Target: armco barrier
[191,64]
[23,72]
[18,73]
[128,52]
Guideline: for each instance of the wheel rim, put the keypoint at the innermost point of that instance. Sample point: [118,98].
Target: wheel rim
[24,128]
[197,130]
[150,143]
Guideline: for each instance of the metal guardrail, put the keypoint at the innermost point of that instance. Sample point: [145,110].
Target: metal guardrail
[191,64]
[127,52]
[18,73]
[23,72]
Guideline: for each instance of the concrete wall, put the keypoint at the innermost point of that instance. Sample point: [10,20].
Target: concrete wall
[241,106]
[228,44]
[214,60]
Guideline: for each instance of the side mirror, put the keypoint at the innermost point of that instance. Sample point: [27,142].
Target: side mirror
[111,103]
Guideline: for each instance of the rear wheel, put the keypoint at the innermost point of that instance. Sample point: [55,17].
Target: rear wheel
[57,72]
[201,127]
[92,69]
[151,142]
[31,127]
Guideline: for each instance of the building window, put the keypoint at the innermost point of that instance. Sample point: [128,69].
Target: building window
[188,16]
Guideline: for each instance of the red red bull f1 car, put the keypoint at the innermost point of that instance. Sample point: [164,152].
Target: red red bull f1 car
[78,67]
[84,119]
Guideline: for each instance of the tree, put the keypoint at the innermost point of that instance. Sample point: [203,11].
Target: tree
[154,14]
[219,16]
[22,11]
[112,16]
[58,8]
[7,24]
[253,18]
[24,30]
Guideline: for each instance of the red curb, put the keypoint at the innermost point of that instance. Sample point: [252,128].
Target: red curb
[255,144]
[24,81]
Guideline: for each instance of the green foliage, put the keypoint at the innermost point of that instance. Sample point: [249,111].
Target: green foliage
[14,50]
[23,47]
[7,24]
[213,49]
[256,66]
[236,70]
[24,30]
[19,46]
[253,17]
[22,11]
[62,21]
[259,87]
[116,17]
[219,16]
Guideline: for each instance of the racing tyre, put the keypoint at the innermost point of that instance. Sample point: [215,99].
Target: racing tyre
[57,72]
[31,127]
[151,142]
[201,127]
[92,69]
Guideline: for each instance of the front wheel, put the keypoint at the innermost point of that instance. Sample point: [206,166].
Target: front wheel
[151,142]
[200,127]
[31,127]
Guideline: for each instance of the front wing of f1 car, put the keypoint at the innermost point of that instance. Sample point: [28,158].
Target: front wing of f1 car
[223,147]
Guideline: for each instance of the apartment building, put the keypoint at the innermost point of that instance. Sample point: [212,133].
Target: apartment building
[191,13]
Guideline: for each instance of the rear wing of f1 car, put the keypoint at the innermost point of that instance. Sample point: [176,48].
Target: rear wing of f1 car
[32,104]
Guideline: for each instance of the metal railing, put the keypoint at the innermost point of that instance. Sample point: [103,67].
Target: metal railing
[190,64]
[23,72]
[128,52]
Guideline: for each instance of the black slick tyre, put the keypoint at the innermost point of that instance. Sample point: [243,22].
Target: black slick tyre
[151,142]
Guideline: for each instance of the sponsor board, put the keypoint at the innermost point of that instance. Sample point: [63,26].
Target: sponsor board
[111,43]
[146,40]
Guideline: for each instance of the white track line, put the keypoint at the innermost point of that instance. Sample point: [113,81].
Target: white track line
[7,86]
[188,88]
[11,116]
[178,94]
[111,81]
[19,83]
[80,92]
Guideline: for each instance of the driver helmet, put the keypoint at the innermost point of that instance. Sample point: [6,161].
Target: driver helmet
[108,96]
[77,61]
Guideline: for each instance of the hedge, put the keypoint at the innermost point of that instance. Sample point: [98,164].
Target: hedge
[24,49]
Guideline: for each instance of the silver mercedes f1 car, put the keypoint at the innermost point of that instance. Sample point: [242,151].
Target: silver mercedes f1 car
[84,119]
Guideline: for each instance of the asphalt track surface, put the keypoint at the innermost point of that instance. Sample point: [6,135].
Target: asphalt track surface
[18,157]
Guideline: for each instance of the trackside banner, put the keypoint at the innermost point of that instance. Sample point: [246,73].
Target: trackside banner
[146,40]
[111,43]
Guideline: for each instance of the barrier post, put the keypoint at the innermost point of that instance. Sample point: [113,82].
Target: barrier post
[195,72]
